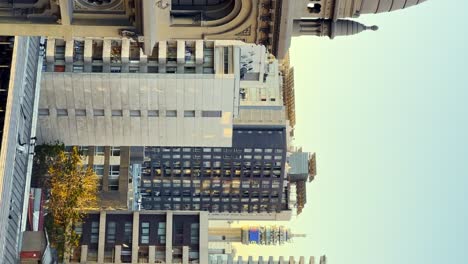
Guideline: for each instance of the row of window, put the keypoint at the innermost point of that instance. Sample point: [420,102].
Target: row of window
[111,230]
[150,150]
[133,113]
[210,200]
[225,164]
[211,183]
[97,67]
[255,157]
[98,150]
[232,208]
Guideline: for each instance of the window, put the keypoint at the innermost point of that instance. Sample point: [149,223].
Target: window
[162,233]
[44,112]
[171,113]
[114,174]
[96,68]
[128,228]
[226,60]
[153,113]
[99,151]
[190,113]
[83,150]
[135,113]
[211,113]
[94,232]
[80,112]
[99,170]
[62,112]
[98,112]
[145,231]
[110,234]
[116,69]
[178,233]
[115,151]
[117,113]
[79,229]
[194,233]
[114,170]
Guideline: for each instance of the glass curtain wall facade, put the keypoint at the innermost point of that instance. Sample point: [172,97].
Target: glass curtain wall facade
[247,177]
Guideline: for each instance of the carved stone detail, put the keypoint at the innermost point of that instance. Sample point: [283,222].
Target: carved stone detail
[246,32]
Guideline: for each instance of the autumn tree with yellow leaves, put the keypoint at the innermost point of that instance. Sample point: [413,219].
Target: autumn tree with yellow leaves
[72,191]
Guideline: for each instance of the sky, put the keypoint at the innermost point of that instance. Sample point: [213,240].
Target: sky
[386,113]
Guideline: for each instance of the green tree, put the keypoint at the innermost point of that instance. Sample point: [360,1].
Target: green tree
[72,191]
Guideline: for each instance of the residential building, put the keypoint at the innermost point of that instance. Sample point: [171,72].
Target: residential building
[20,64]
[268,22]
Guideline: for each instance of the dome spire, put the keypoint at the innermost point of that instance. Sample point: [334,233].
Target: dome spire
[373,28]
[343,27]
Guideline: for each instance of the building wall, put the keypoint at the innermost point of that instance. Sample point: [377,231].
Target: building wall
[136,109]
[142,237]
[105,92]
[15,157]
[248,178]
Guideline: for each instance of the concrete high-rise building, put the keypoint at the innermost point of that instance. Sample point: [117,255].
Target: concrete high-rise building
[106,93]
[267,22]
[174,237]
[242,176]
[20,72]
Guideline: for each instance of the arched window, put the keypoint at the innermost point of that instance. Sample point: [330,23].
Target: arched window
[195,11]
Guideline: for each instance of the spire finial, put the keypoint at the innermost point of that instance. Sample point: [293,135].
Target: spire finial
[373,28]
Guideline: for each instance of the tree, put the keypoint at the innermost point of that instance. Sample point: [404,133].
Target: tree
[72,191]
[44,156]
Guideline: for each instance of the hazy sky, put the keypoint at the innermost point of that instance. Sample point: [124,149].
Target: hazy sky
[387,114]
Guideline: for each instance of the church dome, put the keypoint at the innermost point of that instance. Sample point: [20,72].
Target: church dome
[380,6]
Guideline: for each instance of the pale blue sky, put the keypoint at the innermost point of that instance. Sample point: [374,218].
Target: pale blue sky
[386,113]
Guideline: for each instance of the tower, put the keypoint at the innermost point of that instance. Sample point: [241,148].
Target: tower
[329,28]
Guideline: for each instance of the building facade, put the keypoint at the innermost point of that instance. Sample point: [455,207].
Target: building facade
[169,237]
[20,64]
[142,237]
[267,22]
[245,178]
[105,93]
